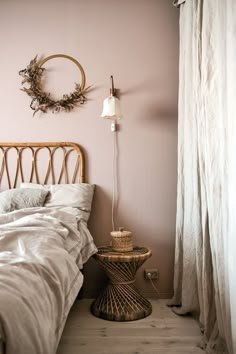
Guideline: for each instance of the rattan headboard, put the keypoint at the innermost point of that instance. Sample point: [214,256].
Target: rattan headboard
[44,163]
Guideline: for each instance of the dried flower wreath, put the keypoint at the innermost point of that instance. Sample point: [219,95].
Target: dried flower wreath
[41,100]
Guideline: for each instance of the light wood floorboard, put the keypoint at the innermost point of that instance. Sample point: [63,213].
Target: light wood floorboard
[162,332]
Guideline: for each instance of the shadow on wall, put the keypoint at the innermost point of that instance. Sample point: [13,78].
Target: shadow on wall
[160,112]
[100,228]
[100,215]
[157,105]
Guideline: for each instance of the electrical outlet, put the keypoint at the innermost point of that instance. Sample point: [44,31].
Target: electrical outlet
[151,274]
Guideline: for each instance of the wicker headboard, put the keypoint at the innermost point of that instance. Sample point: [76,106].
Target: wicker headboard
[44,163]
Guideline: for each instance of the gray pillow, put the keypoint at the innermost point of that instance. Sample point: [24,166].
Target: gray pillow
[18,198]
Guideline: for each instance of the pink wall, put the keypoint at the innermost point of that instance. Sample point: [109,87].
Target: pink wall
[137,42]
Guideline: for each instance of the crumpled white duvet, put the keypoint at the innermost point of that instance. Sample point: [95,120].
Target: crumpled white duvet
[39,278]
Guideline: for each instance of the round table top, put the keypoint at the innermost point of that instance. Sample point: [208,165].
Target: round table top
[138,253]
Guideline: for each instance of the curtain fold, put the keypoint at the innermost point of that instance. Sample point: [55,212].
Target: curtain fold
[204,280]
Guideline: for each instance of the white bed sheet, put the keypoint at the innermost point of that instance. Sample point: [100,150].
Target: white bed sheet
[40,257]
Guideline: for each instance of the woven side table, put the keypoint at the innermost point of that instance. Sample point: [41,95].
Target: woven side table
[121,301]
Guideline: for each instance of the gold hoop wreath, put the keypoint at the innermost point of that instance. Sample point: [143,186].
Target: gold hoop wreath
[41,101]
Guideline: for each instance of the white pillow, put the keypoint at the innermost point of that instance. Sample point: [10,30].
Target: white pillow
[78,195]
[14,199]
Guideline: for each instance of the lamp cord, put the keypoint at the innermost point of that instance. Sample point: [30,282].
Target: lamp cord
[114,180]
[154,287]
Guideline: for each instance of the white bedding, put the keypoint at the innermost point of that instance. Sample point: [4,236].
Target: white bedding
[40,257]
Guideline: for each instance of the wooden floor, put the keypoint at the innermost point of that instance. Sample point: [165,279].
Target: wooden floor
[162,332]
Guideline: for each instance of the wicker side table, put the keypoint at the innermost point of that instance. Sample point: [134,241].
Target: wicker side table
[121,301]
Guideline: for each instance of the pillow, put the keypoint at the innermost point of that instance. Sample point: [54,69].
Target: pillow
[14,199]
[77,195]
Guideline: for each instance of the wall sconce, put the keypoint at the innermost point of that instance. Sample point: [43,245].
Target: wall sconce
[111,110]
[111,107]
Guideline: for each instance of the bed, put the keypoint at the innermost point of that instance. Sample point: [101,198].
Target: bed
[44,241]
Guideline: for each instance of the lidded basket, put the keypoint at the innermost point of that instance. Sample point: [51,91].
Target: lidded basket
[122,240]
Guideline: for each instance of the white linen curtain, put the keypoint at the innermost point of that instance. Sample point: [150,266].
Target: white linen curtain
[205,260]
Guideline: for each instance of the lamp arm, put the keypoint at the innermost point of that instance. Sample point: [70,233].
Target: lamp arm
[112,89]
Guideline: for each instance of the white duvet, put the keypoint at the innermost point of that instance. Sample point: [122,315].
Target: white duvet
[39,278]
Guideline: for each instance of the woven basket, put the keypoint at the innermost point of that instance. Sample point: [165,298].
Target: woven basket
[122,240]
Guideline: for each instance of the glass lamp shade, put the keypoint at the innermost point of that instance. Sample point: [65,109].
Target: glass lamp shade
[111,108]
